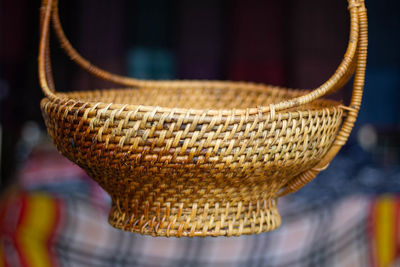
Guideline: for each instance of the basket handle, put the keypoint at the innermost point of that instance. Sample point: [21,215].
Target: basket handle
[342,74]
[352,111]
[44,64]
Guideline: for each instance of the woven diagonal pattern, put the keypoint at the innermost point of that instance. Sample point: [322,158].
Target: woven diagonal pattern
[185,174]
[200,158]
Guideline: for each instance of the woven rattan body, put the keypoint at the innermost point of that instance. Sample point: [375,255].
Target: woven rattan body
[193,158]
[187,174]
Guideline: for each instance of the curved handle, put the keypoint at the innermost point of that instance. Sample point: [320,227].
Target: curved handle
[338,79]
[341,138]
[45,75]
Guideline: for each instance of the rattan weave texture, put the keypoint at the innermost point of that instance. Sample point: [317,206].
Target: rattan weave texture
[199,158]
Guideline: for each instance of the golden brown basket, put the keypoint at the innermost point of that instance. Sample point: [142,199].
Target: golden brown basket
[199,158]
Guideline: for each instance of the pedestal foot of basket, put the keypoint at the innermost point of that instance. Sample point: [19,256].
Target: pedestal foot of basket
[196,219]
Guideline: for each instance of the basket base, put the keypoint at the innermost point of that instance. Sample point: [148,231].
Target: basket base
[200,219]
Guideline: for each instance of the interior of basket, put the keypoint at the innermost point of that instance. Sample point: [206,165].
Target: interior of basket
[192,98]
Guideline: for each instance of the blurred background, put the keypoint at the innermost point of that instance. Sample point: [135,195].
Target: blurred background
[52,213]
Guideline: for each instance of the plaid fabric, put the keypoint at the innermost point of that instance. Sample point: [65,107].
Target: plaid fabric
[63,222]
[329,237]
[74,232]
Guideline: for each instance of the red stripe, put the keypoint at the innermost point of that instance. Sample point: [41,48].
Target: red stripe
[396,233]
[23,200]
[3,208]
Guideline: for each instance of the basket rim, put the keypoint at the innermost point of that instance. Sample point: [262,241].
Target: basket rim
[65,97]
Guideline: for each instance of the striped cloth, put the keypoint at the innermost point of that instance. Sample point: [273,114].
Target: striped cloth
[59,218]
[384,231]
[43,229]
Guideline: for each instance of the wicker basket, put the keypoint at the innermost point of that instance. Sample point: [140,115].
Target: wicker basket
[199,158]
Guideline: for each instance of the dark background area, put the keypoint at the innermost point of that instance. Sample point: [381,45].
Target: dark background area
[291,43]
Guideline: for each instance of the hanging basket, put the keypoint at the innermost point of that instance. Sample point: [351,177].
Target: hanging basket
[199,158]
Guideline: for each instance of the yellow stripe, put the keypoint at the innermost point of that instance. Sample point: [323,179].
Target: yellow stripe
[385,229]
[36,228]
